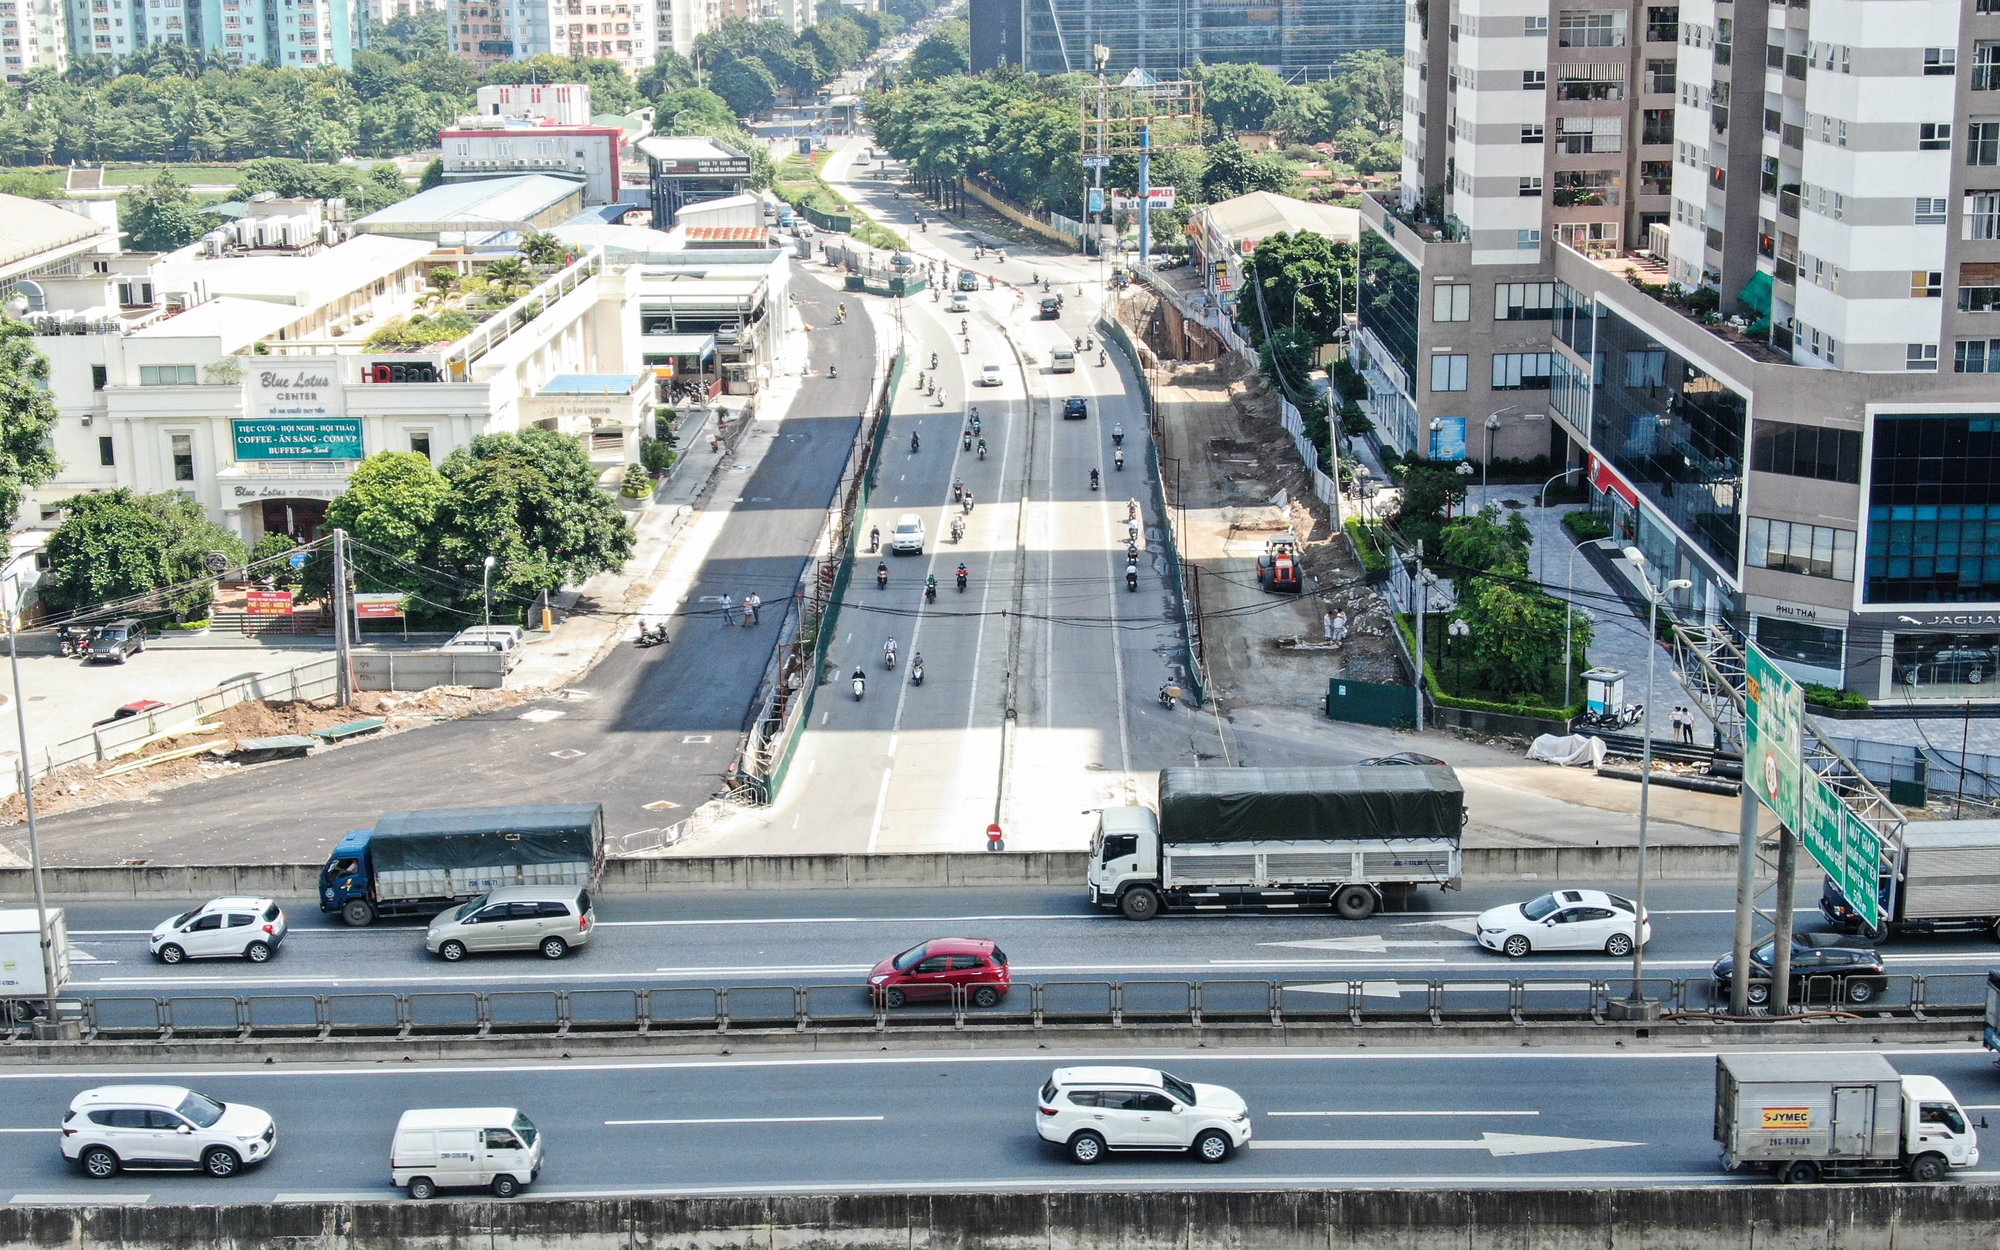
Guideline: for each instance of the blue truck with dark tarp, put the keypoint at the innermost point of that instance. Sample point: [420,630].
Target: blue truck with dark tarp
[419,863]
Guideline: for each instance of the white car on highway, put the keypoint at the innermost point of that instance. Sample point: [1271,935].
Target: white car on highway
[1089,1111]
[223,928]
[909,535]
[961,302]
[1563,920]
[163,1126]
[989,375]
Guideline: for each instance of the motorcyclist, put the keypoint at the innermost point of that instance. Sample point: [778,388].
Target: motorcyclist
[933,360]
[957,528]
[917,668]
[920,379]
[1118,434]
[832,370]
[889,654]
[940,402]
[962,327]
[957,489]
[860,680]
[1089,343]
[915,443]
[967,351]
[982,449]
[975,421]
[1093,479]
[875,535]
[1131,575]
[1101,358]
[1076,344]
[965,505]
[961,574]
[881,576]
[930,589]
[1118,458]
[966,442]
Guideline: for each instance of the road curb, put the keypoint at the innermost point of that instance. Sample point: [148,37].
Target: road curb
[1689,1035]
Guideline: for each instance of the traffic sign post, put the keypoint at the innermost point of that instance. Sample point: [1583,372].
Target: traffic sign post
[1774,708]
[1848,849]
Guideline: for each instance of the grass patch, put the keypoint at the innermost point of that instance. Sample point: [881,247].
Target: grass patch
[799,184]
[140,175]
[1363,538]
[1584,525]
[1472,701]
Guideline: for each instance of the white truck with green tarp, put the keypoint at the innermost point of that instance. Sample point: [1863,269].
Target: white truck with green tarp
[1280,839]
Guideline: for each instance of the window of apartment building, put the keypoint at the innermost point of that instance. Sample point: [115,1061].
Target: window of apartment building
[1579,136]
[1531,188]
[1596,239]
[182,451]
[1978,286]
[1794,547]
[1982,215]
[1532,134]
[166,375]
[1982,142]
[1521,371]
[1660,77]
[1812,451]
[1663,23]
[1921,358]
[1658,126]
[420,442]
[1528,240]
[1940,60]
[1926,284]
[1986,65]
[1534,80]
[105,454]
[1656,178]
[1448,372]
[1588,188]
[1538,25]
[1451,301]
[1934,136]
[99,377]
[1931,211]
[1524,301]
[1590,82]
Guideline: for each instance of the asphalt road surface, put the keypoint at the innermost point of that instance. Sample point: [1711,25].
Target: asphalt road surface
[832,938]
[658,725]
[956,1122]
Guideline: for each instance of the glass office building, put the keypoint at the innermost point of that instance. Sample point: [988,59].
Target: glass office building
[1175,35]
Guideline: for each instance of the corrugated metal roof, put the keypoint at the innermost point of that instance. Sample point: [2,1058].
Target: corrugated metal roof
[30,227]
[486,201]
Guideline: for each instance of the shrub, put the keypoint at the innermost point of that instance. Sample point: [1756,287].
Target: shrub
[1362,537]
[1353,422]
[1827,696]
[658,455]
[1585,525]
[638,482]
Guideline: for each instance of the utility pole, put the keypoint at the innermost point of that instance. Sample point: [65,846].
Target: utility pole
[1423,605]
[53,1028]
[344,678]
[1145,192]
[1747,816]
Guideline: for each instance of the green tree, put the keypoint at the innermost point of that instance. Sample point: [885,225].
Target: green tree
[746,85]
[1428,494]
[1303,116]
[27,419]
[693,109]
[385,186]
[945,51]
[1484,541]
[115,545]
[542,248]
[395,502]
[268,563]
[1302,279]
[160,217]
[410,36]
[1232,171]
[1239,96]
[530,500]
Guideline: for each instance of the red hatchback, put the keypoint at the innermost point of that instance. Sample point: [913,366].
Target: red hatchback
[972,966]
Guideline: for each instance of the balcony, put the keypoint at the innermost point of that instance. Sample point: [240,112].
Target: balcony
[1793,136]
[1788,202]
[1986,76]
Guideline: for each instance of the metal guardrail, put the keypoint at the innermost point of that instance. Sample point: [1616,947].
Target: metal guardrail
[1246,1002]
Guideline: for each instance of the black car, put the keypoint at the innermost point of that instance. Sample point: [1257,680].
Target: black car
[1826,967]
[1075,408]
[119,641]
[968,280]
[1051,307]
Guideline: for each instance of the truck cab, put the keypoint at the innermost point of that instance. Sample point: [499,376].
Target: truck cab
[344,883]
[1125,850]
[1934,1124]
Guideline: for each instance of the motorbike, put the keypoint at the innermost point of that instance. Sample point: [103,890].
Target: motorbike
[975,426]
[889,654]
[966,350]
[874,538]
[1131,577]
[1170,694]
[957,489]
[1093,479]
[967,440]
[982,449]
[1118,435]
[920,380]
[957,529]
[74,643]
[961,579]
[940,397]
[966,504]
[915,442]
[1118,460]
[881,577]
[860,685]
[651,635]
[933,360]
[930,390]
[1089,343]
[1101,359]
[962,326]
[930,590]
[917,671]
[1614,718]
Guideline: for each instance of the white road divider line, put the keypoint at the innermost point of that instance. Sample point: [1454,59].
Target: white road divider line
[1498,1145]
[1364,943]
[1396,1113]
[79,1200]
[355,1195]
[767,1119]
[31,1130]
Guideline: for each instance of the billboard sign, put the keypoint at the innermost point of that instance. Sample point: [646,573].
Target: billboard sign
[1773,716]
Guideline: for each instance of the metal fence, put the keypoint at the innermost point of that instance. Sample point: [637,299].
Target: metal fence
[1323,486]
[1245,1002]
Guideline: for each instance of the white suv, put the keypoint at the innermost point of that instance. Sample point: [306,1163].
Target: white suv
[163,1126]
[909,535]
[1092,1110]
[224,928]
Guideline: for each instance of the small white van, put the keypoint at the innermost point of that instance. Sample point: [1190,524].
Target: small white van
[494,1148]
[1062,360]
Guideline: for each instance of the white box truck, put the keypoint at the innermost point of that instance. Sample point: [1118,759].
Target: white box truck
[1946,876]
[24,988]
[1807,1116]
[1280,839]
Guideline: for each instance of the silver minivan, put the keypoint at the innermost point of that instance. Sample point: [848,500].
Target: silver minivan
[494,1148]
[549,918]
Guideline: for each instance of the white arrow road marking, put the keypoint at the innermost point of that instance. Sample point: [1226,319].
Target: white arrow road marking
[1366,943]
[1369,989]
[1396,1113]
[1468,925]
[1499,1145]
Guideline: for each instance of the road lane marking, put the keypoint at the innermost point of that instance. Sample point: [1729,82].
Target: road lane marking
[1498,1145]
[1364,943]
[882,796]
[764,1119]
[79,1200]
[1395,1113]
[353,1195]
[57,1129]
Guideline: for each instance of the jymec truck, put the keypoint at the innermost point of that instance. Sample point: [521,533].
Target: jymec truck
[419,863]
[1280,839]
[1806,1116]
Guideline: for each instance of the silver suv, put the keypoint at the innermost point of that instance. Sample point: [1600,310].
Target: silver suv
[163,1126]
[1089,1111]
[547,918]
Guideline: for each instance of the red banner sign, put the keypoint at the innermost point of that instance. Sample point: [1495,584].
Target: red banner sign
[376,607]
[1604,479]
[268,603]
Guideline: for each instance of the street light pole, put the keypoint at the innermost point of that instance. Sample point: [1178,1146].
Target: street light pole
[1569,606]
[1542,501]
[485,587]
[1492,424]
[34,839]
[1637,1005]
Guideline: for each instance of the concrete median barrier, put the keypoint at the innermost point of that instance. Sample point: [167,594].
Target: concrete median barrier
[1719,1217]
[1063,869]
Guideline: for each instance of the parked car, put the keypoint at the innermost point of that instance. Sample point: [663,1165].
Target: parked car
[1075,408]
[909,535]
[508,640]
[223,928]
[137,708]
[494,1148]
[989,374]
[551,919]
[119,641]
[163,1126]
[1089,1111]
[1564,920]
[941,969]
[1848,966]
[1971,665]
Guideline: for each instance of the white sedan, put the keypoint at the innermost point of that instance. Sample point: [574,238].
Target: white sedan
[1565,920]
[989,376]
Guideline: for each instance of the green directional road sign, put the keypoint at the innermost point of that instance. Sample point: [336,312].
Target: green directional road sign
[1843,844]
[1774,710]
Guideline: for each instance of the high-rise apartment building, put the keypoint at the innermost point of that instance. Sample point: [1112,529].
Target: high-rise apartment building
[1170,37]
[678,23]
[32,36]
[297,34]
[488,32]
[1756,303]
